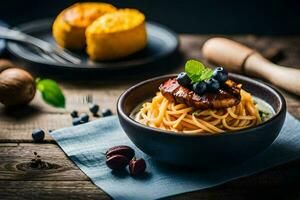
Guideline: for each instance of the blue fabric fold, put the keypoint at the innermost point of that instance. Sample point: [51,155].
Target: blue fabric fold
[86,144]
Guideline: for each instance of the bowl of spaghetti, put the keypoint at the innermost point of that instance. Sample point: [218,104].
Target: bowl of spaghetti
[172,124]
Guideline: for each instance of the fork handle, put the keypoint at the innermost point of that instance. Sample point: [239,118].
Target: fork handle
[56,53]
[14,35]
[241,59]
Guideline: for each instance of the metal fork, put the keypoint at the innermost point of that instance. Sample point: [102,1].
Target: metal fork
[50,51]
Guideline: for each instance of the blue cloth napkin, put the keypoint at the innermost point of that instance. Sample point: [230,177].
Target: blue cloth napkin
[85,145]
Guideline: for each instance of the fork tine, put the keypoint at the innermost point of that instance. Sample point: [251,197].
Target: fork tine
[49,56]
[57,53]
[58,58]
[67,56]
[44,55]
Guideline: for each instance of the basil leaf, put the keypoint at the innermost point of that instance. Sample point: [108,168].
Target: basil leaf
[196,113]
[206,74]
[51,92]
[196,71]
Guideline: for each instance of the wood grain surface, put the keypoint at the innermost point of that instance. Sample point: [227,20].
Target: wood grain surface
[63,180]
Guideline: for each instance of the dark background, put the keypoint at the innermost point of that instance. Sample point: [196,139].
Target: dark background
[184,16]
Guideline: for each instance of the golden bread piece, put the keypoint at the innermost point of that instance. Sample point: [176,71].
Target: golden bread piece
[70,25]
[116,35]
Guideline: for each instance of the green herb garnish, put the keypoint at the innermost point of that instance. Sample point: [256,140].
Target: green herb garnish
[264,116]
[51,92]
[196,113]
[197,72]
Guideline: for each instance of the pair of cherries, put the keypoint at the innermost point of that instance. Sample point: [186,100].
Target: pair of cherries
[119,157]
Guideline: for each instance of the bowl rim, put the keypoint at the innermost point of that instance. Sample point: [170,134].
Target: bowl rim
[122,97]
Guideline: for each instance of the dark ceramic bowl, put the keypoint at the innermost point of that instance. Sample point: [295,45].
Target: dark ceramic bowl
[201,150]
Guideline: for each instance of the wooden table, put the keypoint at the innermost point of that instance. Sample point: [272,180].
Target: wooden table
[63,180]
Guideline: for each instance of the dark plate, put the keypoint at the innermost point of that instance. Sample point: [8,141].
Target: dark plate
[162,43]
[2,42]
[204,151]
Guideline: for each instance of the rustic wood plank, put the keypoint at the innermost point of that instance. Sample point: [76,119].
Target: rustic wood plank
[77,94]
[16,125]
[68,180]
[50,190]
[18,129]
[86,190]
[21,131]
[17,182]
[15,159]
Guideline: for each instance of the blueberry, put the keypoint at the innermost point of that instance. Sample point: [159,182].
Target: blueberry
[74,113]
[220,74]
[38,135]
[183,79]
[106,112]
[84,117]
[213,85]
[76,121]
[94,108]
[199,88]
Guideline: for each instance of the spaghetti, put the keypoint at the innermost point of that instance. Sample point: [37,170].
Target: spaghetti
[163,114]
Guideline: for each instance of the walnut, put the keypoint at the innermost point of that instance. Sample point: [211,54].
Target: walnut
[17,86]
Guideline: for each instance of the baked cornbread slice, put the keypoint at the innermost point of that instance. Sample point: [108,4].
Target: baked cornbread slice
[70,25]
[116,35]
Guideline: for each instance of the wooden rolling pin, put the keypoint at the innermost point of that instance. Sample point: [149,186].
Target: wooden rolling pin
[238,58]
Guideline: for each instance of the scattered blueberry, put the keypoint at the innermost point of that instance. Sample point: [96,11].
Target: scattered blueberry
[220,74]
[38,135]
[183,79]
[84,117]
[94,108]
[213,85]
[74,113]
[76,121]
[106,112]
[199,88]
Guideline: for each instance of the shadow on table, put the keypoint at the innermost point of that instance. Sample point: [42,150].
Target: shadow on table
[161,67]
[20,112]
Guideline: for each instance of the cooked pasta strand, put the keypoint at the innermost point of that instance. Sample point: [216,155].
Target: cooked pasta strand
[166,115]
